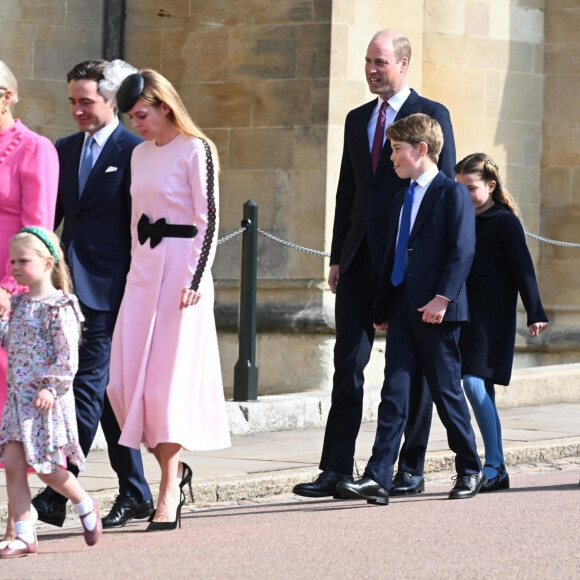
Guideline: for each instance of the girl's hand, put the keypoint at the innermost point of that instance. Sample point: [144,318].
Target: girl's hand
[537,328]
[44,400]
[189,297]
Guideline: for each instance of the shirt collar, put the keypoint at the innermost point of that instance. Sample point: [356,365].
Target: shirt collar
[103,134]
[397,100]
[426,178]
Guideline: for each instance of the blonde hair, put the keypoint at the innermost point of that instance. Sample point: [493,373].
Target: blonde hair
[418,128]
[156,90]
[483,165]
[44,242]
[8,82]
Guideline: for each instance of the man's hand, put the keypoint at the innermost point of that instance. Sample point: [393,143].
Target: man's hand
[333,277]
[382,326]
[537,328]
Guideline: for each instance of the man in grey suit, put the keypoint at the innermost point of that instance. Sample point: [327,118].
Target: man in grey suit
[366,187]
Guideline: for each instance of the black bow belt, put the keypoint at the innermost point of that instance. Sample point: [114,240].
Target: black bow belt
[155,232]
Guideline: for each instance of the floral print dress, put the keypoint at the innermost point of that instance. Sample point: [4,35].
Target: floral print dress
[41,337]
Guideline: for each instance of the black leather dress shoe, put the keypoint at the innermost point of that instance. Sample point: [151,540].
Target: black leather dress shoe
[363,488]
[467,485]
[126,509]
[51,507]
[405,483]
[500,481]
[323,486]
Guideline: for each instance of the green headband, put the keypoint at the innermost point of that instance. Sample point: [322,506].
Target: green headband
[43,238]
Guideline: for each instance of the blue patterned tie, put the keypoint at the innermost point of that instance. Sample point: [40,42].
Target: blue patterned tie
[398,274]
[86,164]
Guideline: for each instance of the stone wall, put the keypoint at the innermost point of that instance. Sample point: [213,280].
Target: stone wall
[41,42]
[271,83]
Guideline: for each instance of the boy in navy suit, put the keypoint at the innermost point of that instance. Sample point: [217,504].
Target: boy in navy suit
[422,303]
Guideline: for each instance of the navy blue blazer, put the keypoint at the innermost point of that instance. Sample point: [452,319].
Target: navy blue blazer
[439,252]
[99,223]
[363,200]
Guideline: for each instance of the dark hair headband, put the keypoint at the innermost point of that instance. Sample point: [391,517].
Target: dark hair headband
[129,92]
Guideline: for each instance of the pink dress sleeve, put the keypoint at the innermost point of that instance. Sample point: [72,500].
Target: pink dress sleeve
[205,191]
[37,180]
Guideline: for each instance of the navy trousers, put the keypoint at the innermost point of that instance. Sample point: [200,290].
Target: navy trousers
[355,297]
[415,347]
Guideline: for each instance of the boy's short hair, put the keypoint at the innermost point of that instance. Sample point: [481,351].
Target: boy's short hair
[418,128]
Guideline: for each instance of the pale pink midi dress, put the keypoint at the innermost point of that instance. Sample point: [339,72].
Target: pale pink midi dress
[165,380]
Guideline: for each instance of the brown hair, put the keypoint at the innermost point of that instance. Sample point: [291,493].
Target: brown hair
[483,165]
[90,70]
[418,128]
[156,90]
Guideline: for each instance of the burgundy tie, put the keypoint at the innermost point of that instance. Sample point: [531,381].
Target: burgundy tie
[378,138]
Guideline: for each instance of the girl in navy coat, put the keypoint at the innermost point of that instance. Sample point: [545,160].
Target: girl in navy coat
[502,267]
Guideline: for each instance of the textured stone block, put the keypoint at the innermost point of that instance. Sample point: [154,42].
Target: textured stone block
[282,103]
[556,182]
[562,25]
[440,49]
[264,52]
[310,147]
[225,104]
[58,49]
[261,148]
[32,11]
[186,56]
[155,15]
[445,16]
[43,104]
[522,98]
[237,187]
[477,18]
[449,86]
[144,48]
[281,11]
[80,13]
[17,48]
[314,51]
[562,59]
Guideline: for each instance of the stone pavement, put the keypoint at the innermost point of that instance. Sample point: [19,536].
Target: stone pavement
[266,464]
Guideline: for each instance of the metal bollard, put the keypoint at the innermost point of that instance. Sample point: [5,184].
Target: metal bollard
[246,370]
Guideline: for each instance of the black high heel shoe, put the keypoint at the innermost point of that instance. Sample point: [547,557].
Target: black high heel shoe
[186,476]
[164,526]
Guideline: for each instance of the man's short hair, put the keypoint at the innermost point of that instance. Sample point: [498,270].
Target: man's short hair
[87,70]
[418,128]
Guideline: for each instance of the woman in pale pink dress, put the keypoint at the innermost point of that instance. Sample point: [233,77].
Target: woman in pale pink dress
[28,187]
[165,383]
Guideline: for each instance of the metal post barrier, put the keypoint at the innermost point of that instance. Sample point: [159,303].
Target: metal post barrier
[246,370]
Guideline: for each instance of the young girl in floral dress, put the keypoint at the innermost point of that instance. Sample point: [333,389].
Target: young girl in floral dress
[38,422]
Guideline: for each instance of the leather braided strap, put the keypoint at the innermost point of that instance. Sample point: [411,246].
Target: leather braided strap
[211,220]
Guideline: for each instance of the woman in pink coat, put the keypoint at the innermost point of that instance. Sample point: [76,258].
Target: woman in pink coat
[165,383]
[28,187]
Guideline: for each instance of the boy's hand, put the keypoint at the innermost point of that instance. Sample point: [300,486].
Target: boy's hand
[382,326]
[44,400]
[434,310]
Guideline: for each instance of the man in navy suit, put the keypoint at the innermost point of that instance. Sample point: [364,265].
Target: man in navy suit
[363,203]
[421,303]
[97,240]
